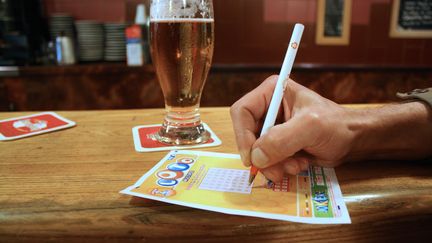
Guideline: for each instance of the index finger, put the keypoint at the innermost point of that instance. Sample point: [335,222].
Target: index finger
[247,114]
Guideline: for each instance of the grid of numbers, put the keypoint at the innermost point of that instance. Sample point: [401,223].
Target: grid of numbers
[226,180]
[282,186]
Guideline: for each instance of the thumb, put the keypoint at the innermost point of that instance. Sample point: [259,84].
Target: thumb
[283,141]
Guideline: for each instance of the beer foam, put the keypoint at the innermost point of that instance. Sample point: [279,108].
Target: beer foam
[184,9]
[182,20]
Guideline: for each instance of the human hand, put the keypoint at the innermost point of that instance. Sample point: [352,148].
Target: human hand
[313,130]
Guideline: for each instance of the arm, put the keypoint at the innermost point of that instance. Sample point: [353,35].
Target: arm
[318,131]
[394,131]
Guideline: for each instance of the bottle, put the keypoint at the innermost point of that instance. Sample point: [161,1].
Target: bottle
[137,46]
[65,53]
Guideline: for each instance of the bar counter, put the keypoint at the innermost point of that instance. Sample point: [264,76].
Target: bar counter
[64,186]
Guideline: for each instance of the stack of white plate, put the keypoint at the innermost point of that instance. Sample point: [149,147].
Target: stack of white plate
[61,23]
[90,40]
[115,41]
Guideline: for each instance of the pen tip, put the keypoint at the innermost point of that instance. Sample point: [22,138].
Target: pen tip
[251,179]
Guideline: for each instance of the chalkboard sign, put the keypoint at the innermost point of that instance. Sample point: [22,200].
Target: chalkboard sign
[411,19]
[333,17]
[333,22]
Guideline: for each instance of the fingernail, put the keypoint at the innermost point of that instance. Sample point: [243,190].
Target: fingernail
[259,158]
[291,169]
[245,158]
[304,165]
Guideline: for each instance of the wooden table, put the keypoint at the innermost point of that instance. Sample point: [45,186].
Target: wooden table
[65,186]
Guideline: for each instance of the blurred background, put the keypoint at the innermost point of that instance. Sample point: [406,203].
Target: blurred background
[72,54]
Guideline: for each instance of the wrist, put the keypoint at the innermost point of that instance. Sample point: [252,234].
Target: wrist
[395,131]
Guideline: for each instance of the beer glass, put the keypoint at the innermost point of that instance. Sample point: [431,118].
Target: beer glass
[182,40]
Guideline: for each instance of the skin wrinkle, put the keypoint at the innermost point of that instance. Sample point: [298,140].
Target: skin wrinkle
[273,137]
[285,146]
[317,143]
[286,110]
[252,115]
[306,124]
[248,133]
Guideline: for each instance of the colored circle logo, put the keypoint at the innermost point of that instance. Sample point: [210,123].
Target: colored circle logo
[178,167]
[169,174]
[165,182]
[186,161]
[162,192]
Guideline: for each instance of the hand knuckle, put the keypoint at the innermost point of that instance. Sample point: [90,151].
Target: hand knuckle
[234,109]
[313,119]
[271,138]
[275,142]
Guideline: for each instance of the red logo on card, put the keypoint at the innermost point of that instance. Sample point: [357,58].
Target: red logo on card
[29,125]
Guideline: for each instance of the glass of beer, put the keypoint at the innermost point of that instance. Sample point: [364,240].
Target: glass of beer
[182,40]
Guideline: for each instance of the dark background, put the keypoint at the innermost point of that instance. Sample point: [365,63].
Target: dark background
[251,40]
[257,31]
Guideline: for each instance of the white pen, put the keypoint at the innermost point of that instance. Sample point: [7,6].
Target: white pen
[280,86]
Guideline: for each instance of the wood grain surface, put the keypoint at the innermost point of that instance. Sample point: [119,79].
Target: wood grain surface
[64,186]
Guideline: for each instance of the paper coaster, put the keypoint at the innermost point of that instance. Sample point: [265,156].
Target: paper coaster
[145,143]
[25,126]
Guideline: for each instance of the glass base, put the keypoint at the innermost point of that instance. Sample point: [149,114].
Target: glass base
[186,134]
[182,126]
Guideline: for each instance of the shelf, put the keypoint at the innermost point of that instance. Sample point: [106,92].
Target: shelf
[78,69]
